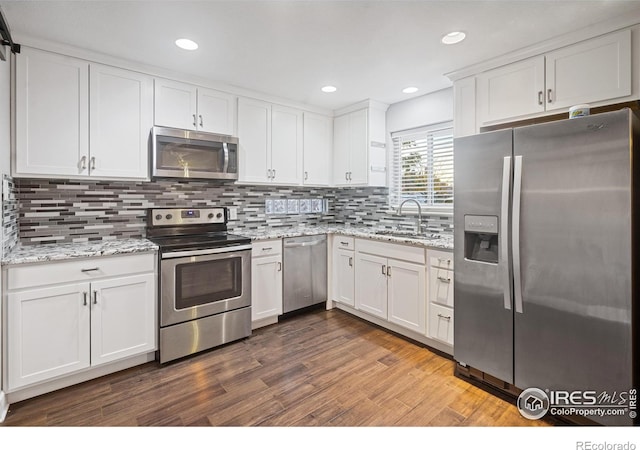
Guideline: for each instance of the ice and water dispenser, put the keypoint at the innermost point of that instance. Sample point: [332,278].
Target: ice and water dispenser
[481,238]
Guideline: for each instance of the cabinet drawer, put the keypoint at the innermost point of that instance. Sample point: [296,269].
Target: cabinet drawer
[439,258]
[441,323]
[394,251]
[267,248]
[85,269]
[441,286]
[344,242]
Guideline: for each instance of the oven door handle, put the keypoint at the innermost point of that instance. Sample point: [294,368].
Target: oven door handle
[207,251]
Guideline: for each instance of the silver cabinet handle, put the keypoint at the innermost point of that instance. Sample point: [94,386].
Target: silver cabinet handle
[549,97]
[95,297]
[266,249]
[504,231]
[274,174]
[384,270]
[84,295]
[346,176]
[194,120]
[201,123]
[279,266]
[83,163]
[444,260]
[540,100]
[269,173]
[93,269]
[444,317]
[306,175]
[444,279]
[388,271]
[350,176]
[350,261]
[515,233]
[344,243]
[93,163]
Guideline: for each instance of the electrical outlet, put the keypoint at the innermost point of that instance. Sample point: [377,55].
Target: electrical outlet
[233,213]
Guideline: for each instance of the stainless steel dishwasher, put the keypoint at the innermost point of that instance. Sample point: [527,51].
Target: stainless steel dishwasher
[305,272]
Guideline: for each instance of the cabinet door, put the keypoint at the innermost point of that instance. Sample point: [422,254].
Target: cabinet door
[254,135]
[440,323]
[266,287]
[52,114]
[123,318]
[175,104]
[216,111]
[121,107]
[441,286]
[341,150]
[318,133]
[47,333]
[464,100]
[358,147]
[594,70]
[343,276]
[286,145]
[407,295]
[511,91]
[371,284]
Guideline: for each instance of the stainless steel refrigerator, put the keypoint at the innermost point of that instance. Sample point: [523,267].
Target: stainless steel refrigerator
[545,254]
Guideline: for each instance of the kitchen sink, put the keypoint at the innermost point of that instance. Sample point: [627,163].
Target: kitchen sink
[407,234]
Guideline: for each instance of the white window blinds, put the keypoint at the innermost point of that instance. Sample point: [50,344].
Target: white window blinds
[423,166]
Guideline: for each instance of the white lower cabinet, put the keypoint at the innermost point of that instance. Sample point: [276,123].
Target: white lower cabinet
[393,289]
[440,307]
[266,282]
[343,275]
[103,316]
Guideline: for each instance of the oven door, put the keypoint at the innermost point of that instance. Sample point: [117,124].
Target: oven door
[201,283]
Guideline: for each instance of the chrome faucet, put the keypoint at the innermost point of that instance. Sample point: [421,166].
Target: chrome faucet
[419,224]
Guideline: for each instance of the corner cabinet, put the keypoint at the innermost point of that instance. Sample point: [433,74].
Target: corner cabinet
[266,282]
[271,143]
[79,119]
[66,317]
[593,71]
[359,146]
[189,107]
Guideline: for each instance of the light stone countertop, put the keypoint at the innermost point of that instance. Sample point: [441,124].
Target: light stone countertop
[438,241]
[25,254]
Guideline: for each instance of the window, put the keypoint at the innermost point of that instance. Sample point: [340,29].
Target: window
[423,166]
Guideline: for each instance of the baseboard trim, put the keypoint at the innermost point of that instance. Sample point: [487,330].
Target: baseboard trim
[4,406]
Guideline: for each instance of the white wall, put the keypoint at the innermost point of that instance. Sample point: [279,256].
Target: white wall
[420,111]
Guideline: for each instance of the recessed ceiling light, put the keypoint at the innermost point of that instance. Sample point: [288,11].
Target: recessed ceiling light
[454,37]
[329,89]
[410,90]
[186,44]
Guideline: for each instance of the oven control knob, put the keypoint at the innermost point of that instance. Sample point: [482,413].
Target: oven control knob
[210,216]
[158,216]
[168,216]
[219,215]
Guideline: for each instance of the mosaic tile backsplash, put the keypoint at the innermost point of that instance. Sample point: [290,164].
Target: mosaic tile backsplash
[81,211]
[9,216]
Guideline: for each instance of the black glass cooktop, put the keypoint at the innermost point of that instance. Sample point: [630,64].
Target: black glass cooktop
[199,241]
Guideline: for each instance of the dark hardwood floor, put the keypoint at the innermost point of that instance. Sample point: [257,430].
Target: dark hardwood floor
[324,368]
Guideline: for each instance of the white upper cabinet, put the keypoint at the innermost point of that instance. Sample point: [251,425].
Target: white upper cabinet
[121,117]
[271,142]
[597,71]
[512,91]
[78,119]
[317,147]
[189,107]
[591,71]
[52,114]
[359,147]
[464,98]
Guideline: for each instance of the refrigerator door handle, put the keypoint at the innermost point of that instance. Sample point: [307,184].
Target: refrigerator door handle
[515,232]
[504,230]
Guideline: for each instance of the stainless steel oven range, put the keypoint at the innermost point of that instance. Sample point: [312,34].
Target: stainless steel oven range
[204,281]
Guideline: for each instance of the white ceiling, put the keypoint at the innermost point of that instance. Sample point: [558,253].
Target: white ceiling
[368,49]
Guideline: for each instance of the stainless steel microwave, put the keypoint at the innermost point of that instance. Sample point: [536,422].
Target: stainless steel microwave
[190,154]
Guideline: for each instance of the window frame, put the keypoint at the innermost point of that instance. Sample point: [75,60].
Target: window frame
[395,175]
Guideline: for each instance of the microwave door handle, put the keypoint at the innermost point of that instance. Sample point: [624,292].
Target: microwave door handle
[225,149]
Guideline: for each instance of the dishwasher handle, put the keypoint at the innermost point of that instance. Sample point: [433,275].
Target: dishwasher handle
[303,244]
